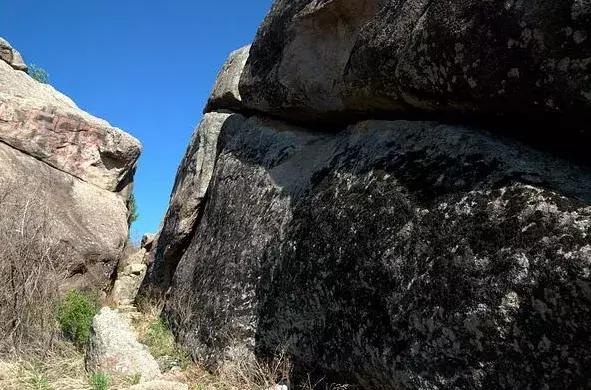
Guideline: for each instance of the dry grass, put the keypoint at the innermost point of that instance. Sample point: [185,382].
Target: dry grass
[61,369]
[33,354]
[254,375]
[33,266]
[241,373]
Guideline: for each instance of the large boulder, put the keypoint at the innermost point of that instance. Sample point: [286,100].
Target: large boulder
[446,251]
[78,166]
[11,56]
[321,60]
[89,221]
[394,254]
[41,122]
[114,349]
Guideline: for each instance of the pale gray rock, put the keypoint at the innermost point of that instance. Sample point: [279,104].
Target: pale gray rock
[148,241]
[11,56]
[89,221]
[43,123]
[225,93]
[191,184]
[130,275]
[278,387]
[114,349]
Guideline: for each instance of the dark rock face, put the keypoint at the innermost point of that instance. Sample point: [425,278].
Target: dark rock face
[392,255]
[317,58]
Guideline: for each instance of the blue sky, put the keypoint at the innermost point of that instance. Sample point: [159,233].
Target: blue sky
[146,66]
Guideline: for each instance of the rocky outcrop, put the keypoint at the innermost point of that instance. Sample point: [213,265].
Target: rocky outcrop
[130,275]
[419,254]
[317,58]
[188,194]
[42,123]
[383,252]
[11,56]
[90,222]
[78,166]
[225,93]
[114,349]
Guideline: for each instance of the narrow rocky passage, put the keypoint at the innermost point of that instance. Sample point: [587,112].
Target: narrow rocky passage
[379,195]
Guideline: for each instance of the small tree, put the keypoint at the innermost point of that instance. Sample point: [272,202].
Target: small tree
[133,212]
[39,74]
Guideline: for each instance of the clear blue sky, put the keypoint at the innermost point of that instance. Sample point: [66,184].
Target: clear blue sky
[146,66]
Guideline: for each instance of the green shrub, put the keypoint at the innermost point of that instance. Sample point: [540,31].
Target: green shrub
[99,381]
[38,382]
[39,74]
[75,315]
[133,212]
[161,343]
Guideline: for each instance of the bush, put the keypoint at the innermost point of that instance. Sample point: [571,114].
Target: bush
[39,74]
[161,343]
[133,212]
[75,315]
[32,266]
[99,381]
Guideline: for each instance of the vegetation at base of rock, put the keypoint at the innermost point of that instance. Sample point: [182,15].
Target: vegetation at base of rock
[75,315]
[39,74]
[39,382]
[159,339]
[32,267]
[99,381]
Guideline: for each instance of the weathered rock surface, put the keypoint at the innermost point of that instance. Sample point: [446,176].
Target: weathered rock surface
[90,221]
[78,166]
[130,275]
[190,187]
[41,122]
[114,349]
[225,93]
[313,58]
[11,56]
[392,255]
[395,254]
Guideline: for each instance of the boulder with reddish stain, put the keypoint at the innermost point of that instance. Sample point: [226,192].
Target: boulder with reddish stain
[80,168]
[41,122]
